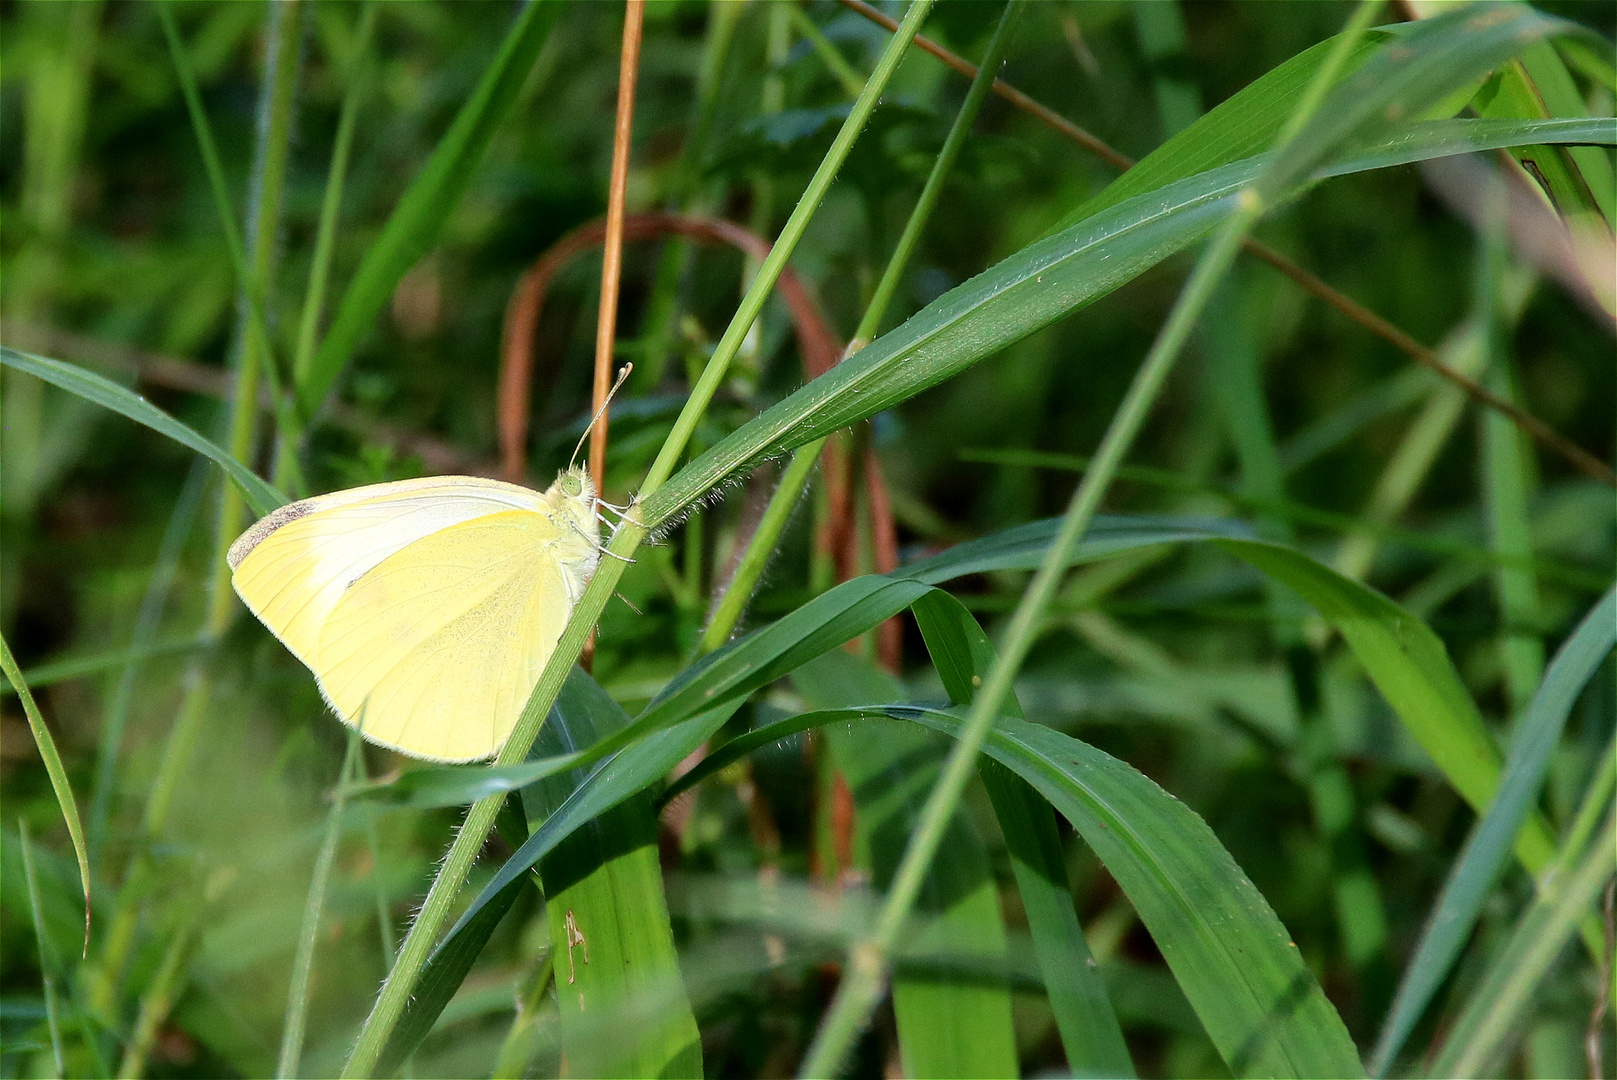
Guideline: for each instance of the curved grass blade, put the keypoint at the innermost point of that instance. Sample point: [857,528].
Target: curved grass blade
[948,1025]
[1474,874]
[1403,657]
[1246,123]
[259,495]
[1446,138]
[1090,1035]
[1230,954]
[57,774]
[425,206]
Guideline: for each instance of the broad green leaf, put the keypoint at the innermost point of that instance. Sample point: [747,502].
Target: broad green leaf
[58,775]
[624,1011]
[1472,878]
[1090,1034]
[259,495]
[426,205]
[947,1026]
[1230,954]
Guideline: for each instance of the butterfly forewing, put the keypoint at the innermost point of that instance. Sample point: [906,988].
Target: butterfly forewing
[426,608]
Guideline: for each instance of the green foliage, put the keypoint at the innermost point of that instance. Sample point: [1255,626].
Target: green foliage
[1221,820]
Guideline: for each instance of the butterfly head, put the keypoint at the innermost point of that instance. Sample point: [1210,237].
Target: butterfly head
[575,483]
[572,497]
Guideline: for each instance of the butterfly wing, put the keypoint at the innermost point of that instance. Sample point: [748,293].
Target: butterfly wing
[293,565]
[435,650]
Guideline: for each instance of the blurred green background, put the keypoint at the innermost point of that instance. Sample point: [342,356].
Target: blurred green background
[113,258]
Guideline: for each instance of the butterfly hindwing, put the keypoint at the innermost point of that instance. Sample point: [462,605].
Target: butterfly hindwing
[434,650]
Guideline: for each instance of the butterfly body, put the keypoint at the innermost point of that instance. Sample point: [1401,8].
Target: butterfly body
[427,608]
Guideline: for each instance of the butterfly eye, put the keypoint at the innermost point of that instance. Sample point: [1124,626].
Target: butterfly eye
[571,484]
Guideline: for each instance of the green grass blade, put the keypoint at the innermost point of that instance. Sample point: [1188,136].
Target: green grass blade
[1027,291]
[606,785]
[1245,124]
[157,1000]
[946,1026]
[251,276]
[962,655]
[1496,1008]
[1446,138]
[1507,468]
[1553,82]
[77,667]
[297,994]
[36,911]
[1412,669]
[441,977]
[1520,89]
[92,387]
[457,785]
[426,205]
[314,295]
[624,1011]
[1474,874]
[766,538]
[58,775]
[1399,80]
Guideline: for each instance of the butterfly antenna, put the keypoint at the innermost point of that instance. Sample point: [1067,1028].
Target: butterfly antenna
[623,373]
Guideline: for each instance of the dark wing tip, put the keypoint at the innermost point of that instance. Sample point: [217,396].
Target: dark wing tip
[260,529]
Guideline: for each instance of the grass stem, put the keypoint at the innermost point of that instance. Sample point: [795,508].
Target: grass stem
[761,545]
[297,994]
[314,295]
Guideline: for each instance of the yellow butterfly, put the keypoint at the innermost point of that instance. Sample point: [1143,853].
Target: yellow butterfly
[425,608]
